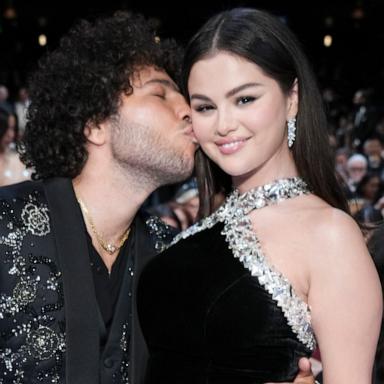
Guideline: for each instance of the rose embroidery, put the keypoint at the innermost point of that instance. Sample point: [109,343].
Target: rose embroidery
[36,219]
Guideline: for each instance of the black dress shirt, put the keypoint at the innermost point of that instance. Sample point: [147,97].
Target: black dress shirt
[107,286]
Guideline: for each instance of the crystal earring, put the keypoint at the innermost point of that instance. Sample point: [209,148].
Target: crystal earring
[291,131]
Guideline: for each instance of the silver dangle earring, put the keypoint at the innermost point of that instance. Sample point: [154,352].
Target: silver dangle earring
[291,131]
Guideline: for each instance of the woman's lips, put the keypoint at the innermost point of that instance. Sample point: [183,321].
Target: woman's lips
[230,146]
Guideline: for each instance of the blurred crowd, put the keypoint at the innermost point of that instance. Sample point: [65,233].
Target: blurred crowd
[12,125]
[356,130]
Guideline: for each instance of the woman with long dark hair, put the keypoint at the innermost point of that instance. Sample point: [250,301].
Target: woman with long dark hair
[281,266]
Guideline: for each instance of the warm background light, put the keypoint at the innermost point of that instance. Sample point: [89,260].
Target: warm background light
[327,41]
[42,40]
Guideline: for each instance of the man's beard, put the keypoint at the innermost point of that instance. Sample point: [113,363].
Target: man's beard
[149,157]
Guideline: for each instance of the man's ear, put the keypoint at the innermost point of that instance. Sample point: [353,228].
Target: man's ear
[95,133]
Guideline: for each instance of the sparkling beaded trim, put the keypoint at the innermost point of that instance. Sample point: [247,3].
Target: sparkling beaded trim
[160,232]
[246,247]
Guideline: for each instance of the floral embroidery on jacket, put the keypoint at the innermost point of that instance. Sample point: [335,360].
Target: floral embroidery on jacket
[32,328]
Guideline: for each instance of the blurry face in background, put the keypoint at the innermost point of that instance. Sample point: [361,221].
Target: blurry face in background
[341,160]
[23,94]
[371,188]
[358,97]
[373,148]
[10,134]
[356,171]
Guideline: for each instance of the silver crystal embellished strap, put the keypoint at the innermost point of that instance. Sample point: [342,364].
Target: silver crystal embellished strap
[245,245]
[242,204]
[201,225]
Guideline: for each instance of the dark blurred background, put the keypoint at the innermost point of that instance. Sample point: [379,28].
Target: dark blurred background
[355,58]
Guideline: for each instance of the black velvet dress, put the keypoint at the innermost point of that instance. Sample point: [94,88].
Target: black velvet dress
[211,316]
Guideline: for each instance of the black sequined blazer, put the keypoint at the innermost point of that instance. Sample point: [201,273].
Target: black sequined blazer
[50,324]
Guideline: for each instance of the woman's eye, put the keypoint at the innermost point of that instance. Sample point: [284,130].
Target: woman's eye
[203,108]
[245,100]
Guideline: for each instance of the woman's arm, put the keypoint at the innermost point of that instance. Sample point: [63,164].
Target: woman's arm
[345,299]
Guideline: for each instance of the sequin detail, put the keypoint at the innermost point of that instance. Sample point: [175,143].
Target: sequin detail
[122,375]
[31,305]
[36,219]
[160,231]
[245,246]
[43,343]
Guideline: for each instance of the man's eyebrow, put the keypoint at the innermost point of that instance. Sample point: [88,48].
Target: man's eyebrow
[230,93]
[165,82]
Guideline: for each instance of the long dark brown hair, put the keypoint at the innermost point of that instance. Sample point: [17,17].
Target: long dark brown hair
[376,249]
[263,39]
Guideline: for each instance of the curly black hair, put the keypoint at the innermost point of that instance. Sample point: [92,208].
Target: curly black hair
[82,81]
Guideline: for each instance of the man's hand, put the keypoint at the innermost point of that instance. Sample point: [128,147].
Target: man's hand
[305,375]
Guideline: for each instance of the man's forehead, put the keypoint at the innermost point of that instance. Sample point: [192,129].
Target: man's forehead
[149,75]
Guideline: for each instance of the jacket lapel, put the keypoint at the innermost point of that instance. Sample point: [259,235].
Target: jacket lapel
[81,310]
[144,251]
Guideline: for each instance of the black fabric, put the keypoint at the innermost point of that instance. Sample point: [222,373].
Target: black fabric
[144,251]
[107,286]
[82,329]
[116,340]
[207,320]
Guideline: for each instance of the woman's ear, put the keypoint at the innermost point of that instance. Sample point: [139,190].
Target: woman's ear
[293,100]
[95,133]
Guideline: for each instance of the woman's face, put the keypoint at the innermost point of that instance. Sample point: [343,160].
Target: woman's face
[371,188]
[239,117]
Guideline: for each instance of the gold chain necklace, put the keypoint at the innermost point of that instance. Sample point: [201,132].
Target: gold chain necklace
[108,247]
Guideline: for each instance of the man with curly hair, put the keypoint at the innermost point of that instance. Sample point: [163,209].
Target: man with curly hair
[107,125]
